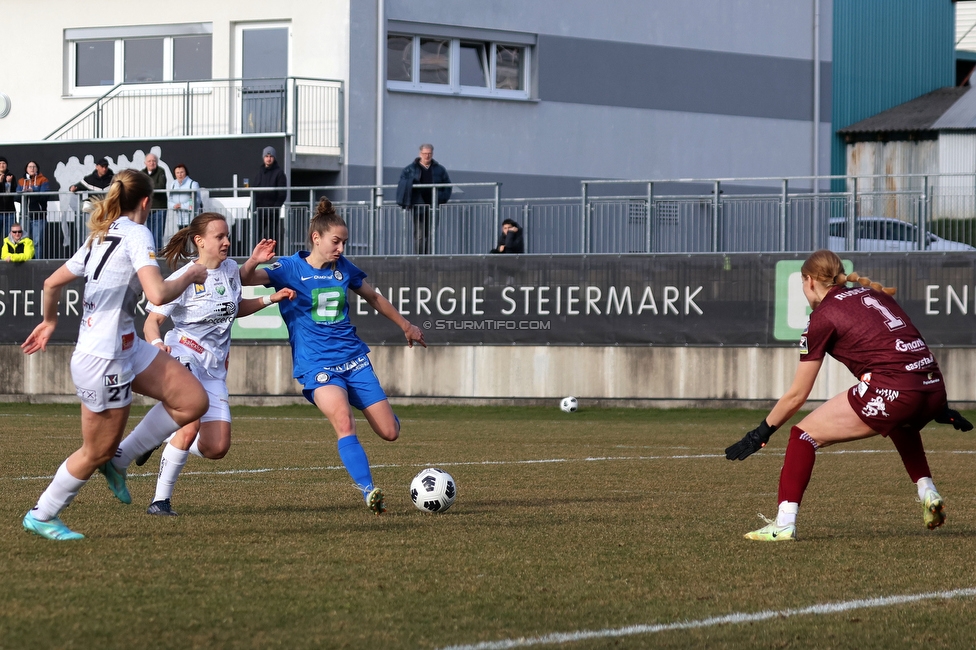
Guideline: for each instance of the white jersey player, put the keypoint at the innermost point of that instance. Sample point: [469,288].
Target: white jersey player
[109,361]
[200,339]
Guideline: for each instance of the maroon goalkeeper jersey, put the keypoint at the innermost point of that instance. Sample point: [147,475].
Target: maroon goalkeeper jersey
[871,334]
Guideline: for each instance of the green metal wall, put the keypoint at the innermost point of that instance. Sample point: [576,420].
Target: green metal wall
[885,53]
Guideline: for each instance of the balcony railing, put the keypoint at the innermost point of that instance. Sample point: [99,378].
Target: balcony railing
[311,110]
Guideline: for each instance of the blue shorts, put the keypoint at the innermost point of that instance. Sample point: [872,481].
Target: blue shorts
[356,377]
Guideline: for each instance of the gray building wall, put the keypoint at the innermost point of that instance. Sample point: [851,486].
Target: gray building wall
[638,90]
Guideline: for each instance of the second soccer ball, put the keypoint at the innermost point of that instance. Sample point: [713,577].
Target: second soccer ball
[569,404]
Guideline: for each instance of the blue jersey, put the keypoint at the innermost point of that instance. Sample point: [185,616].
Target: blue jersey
[318,318]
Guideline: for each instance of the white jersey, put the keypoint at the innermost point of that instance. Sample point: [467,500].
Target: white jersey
[112,287]
[203,316]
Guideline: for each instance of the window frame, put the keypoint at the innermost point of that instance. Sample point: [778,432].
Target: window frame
[119,35]
[454,87]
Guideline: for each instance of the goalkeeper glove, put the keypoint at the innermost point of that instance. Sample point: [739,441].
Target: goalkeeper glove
[948,416]
[751,442]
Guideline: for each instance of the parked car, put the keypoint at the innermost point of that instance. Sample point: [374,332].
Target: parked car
[880,234]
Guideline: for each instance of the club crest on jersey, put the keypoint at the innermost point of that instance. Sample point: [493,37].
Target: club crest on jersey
[198,289]
[322,378]
[337,275]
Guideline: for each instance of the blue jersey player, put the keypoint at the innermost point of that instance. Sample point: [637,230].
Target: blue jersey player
[329,360]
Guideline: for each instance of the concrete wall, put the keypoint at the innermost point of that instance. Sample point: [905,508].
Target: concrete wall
[637,376]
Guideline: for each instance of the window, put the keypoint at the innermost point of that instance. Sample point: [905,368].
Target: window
[458,66]
[100,57]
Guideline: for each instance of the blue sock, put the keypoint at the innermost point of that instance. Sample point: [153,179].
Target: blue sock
[354,458]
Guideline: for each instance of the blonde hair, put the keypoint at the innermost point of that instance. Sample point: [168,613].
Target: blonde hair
[127,189]
[181,245]
[827,268]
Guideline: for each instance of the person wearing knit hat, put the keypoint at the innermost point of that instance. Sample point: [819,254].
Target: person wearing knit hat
[267,203]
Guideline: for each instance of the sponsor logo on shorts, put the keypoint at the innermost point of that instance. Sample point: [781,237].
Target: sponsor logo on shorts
[86,395]
[128,340]
[322,378]
[912,346]
[888,394]
[190,343]
[875,406]
[111,380]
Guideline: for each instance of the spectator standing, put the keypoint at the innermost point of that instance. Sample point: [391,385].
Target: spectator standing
[510,241]
[33,209]
[424,170]
[157,213]
[267,204]
[182,198]
[16,247]
[8,187]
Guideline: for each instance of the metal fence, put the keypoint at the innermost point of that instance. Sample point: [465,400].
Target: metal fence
[310,109]
[937,214]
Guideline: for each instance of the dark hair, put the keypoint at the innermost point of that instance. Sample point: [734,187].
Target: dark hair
[326,218]
[35,164]
[177,166]
[181,245]
[827,268]
[510,222]
[4,159]
[126,190]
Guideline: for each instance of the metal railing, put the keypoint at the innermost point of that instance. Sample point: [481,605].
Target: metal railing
[309,109]
[923,213]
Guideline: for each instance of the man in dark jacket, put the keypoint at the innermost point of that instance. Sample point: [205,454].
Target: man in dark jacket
[96,181]
[267,204]
[424,170]
[157,211]
[510,241]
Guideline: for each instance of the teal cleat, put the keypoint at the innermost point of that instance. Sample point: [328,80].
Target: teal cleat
[116,482]
[52,529]
[934,510]
[374,501]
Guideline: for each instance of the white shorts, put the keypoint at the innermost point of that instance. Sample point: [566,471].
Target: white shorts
[216,388]
[107,383]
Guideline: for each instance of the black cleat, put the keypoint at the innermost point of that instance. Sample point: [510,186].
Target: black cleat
[162,509]
[144,458]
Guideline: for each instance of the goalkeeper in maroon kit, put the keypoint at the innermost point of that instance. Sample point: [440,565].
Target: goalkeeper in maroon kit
[900,389]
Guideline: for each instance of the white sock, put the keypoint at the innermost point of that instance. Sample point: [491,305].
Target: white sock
[154,428]
[924,485]
[195,448]
[170,466]
[58,495]
[787,513]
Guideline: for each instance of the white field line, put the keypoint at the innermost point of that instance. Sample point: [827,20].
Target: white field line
[540,461]
[737,618]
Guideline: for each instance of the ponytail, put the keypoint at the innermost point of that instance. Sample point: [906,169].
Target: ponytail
[127,189]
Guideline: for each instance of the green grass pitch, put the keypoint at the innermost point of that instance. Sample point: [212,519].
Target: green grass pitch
[578,524]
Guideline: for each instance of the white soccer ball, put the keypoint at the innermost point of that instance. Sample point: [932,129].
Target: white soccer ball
[569,404]
[433,490]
